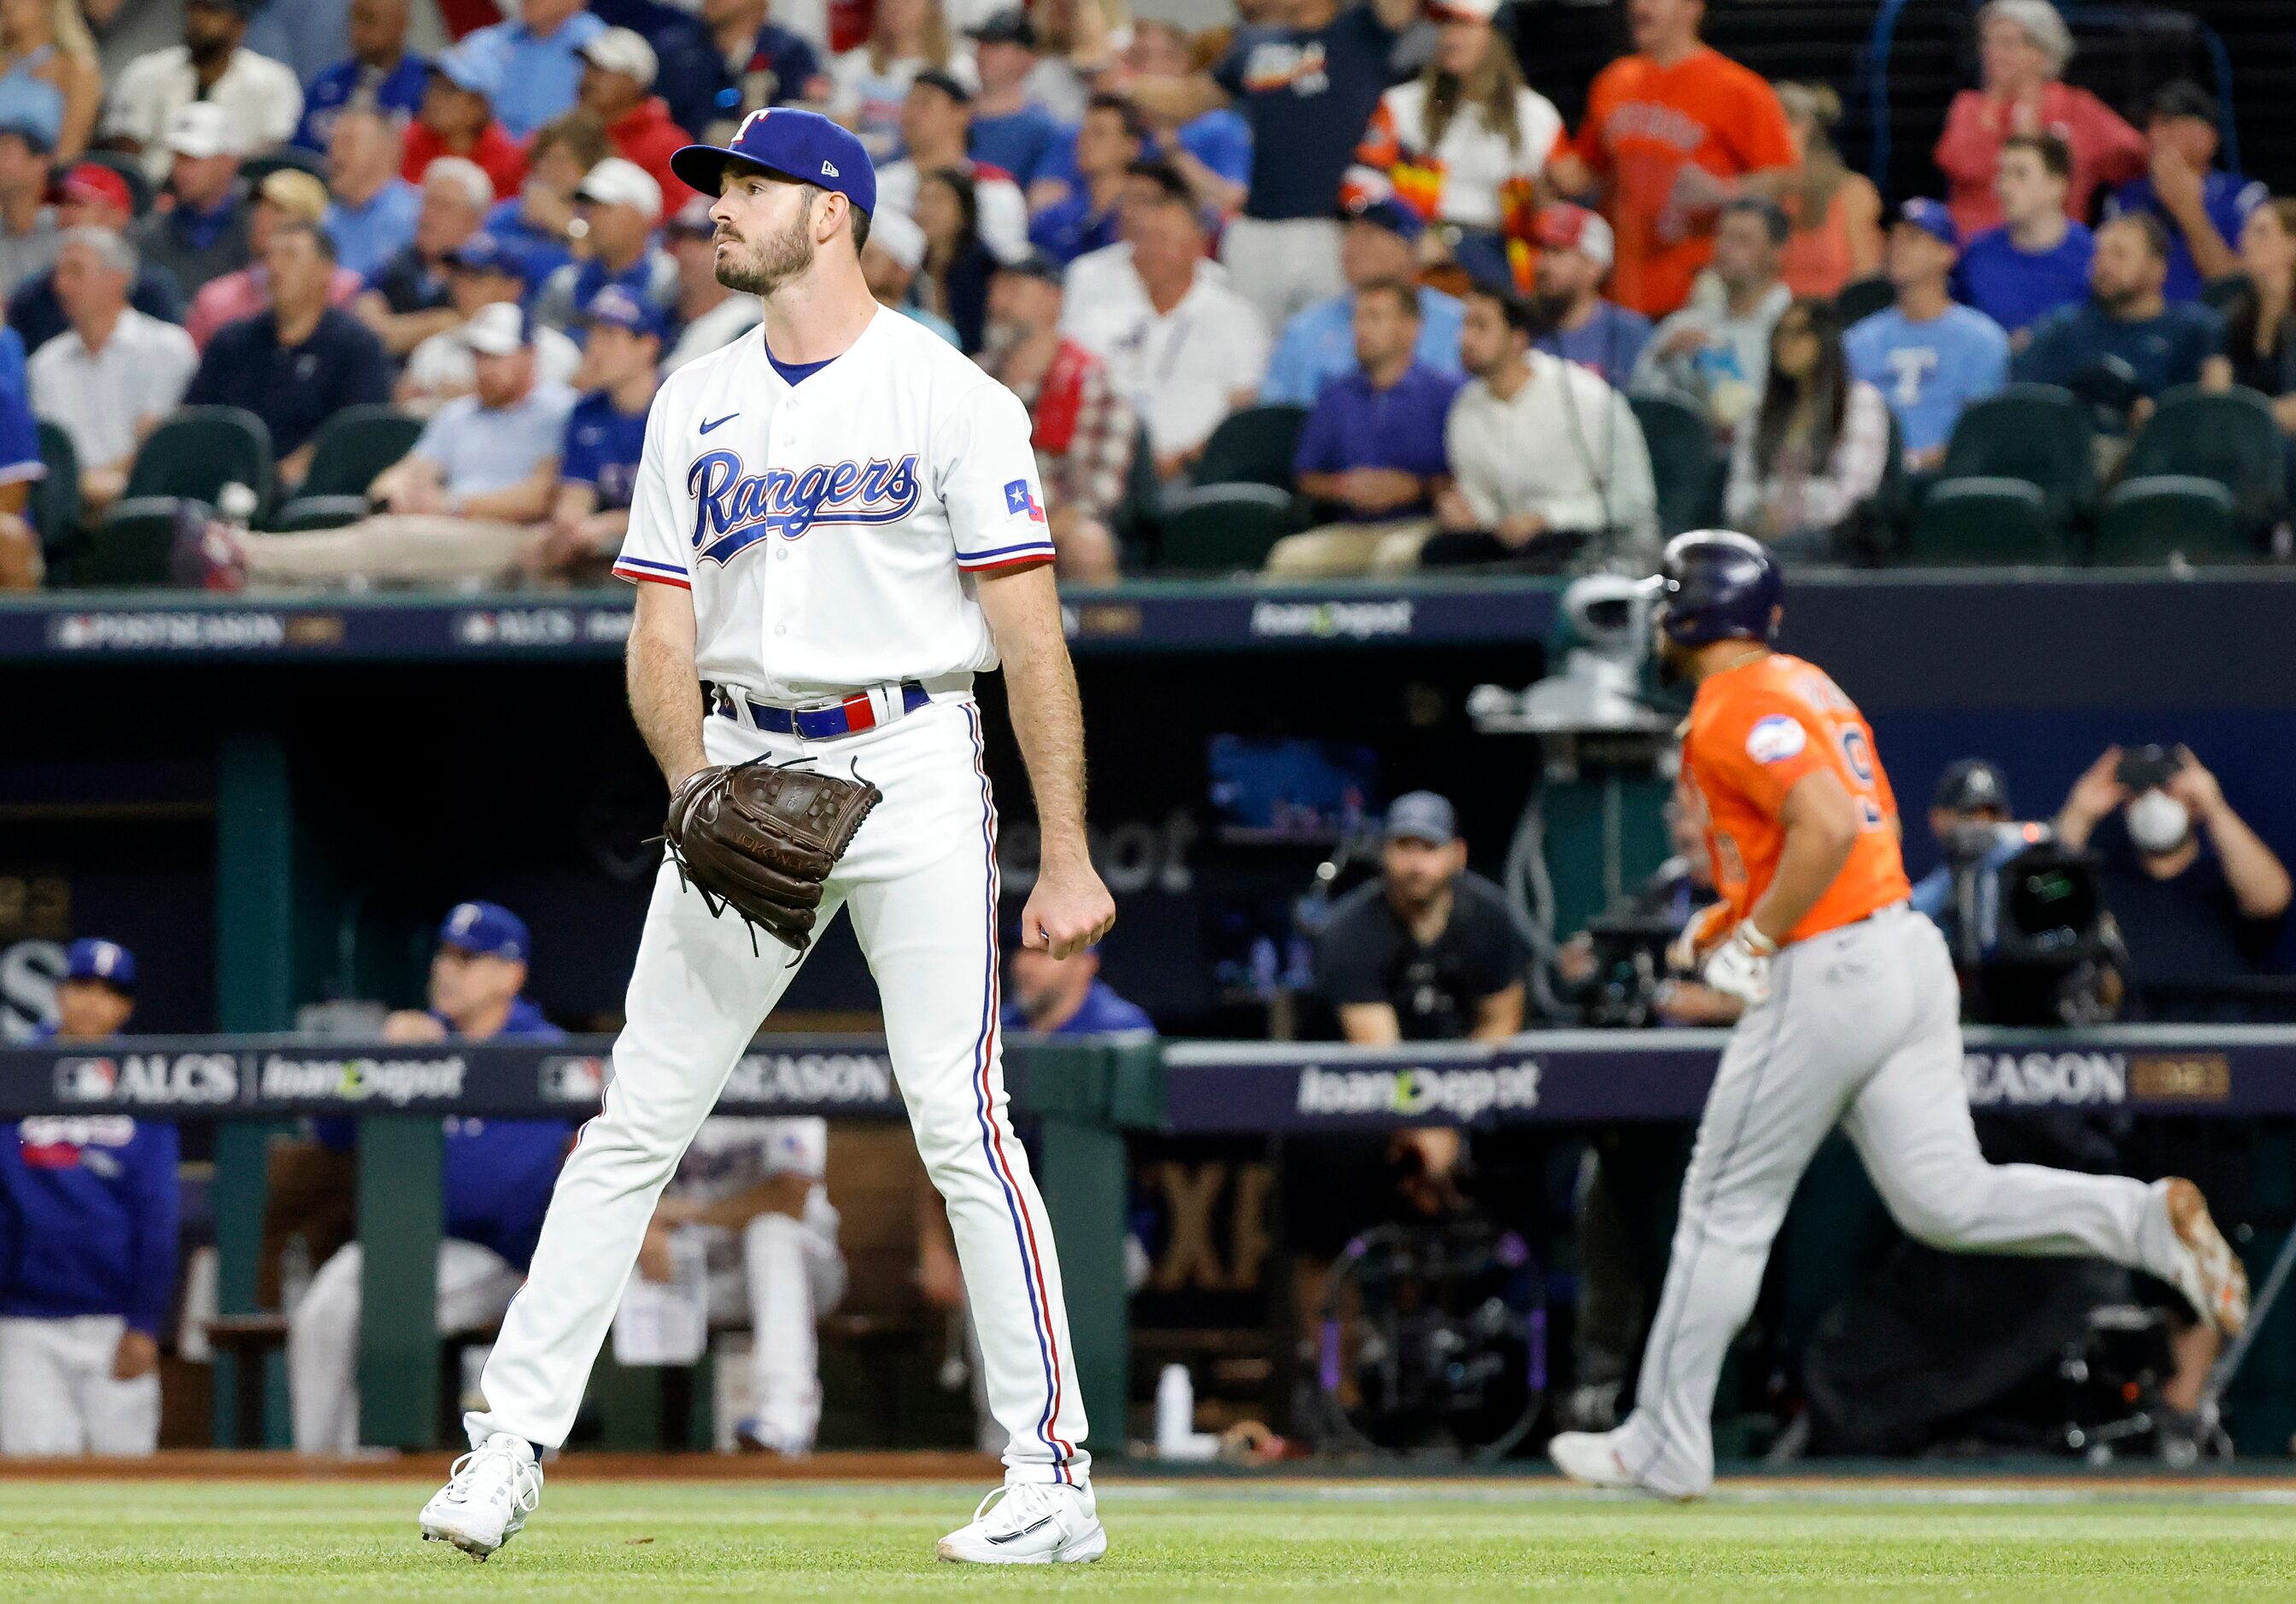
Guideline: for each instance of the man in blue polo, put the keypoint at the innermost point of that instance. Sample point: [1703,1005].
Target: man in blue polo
[1928,356]
[2203,207]
[87,1248]
[498,1176]
[606,435]
[1377,246]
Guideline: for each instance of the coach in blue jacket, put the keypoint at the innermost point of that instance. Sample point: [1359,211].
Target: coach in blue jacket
[87,1248]
[498,1176]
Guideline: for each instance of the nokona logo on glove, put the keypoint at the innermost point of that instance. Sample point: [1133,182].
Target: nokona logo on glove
[762,840]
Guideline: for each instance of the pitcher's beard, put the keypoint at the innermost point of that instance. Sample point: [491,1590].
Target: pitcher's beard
[768,265]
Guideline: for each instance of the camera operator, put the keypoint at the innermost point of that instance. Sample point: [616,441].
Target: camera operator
[2198,896]
[1972,791]
[1614,965]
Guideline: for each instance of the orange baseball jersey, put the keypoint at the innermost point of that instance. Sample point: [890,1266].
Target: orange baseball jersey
[1643,122]
[1755,730]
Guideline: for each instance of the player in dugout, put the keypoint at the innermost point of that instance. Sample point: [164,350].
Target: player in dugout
[87,1248]
[498,1176]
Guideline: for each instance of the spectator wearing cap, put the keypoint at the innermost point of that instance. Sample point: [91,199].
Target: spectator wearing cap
[2127,344]
[1184,348]
[1377,246]
[2202,207]
[53,81]
[1306,86]
[301,361]
[381,74]
[617,76]
[869,85]
[2038,258]
[29,229]
[1928,357]
[891,261]
[1083,432]
[707,314]
[1574,321]
[1010,130]
[1672,133]
[1212,149]
[457,117]
[261,99]
[2022,49]
[111,377]
[747,60]
[605,436]
[88,196]
[618,203]
[538,221]
[460,507]
[1372,450]
[1088,215]
[497,1175]
[1547,462]
[935,116]
[370,209]
[1716,354]
[481,272]
[88,1207]
[198,232]
[1466,146]
[1972,791]
[1426,951]
[407,303]
[535,60]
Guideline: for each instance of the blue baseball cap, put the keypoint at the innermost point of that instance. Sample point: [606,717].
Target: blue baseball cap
[801,145]
[484,252]
[89,959]
[486,930]
[617,306]
[1932,218]
[1389,213]
[1421,815]
[472,66]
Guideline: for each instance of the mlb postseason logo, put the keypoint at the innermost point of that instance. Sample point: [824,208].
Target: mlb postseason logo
[573,1080]
[150,1079]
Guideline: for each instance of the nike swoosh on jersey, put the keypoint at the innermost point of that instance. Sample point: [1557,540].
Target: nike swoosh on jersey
[728,418]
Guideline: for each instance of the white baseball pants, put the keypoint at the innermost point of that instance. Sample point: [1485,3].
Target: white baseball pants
[1862,1030]
[57,1396]
[475,1286]
[791,1274]
[921,883]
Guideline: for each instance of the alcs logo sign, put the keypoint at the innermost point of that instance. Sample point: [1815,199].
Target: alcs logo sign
[153,1079]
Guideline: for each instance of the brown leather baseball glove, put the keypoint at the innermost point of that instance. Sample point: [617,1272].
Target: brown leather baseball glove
[760,840]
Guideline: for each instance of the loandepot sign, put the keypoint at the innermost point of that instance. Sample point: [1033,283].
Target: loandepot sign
[2060,1080]
[1460,1093]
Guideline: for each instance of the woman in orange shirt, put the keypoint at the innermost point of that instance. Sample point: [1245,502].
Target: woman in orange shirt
[1836,213]
[2023,46]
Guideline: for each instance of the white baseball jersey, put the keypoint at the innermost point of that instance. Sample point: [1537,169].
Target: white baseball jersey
[829,529]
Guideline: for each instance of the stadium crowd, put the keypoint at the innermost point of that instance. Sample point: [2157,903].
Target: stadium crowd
[1346,249]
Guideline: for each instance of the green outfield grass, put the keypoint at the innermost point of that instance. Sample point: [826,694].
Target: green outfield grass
[642,1541]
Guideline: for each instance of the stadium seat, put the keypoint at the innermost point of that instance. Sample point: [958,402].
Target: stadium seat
[2229,437]
[2034,432]
[1133,521]
[1875,533]
[1225,529]
[353,447]
[2164,517]
[1253,447]
[1986,520]
[132,545]
[1863,298]
[200,449]
[55,499]
[318,513]
[1687,466]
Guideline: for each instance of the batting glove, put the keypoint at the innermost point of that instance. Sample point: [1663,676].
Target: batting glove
[1740,966]
[1709,925]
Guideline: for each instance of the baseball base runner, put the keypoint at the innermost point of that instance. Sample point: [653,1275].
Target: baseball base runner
[837,523]
[1852,1020]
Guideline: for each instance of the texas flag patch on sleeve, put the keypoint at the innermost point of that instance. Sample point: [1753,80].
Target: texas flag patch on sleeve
[1020,500]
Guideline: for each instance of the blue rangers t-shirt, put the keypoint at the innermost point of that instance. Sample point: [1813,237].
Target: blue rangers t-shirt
[601,449]
[2226,197]
[1305,93]
[2017,289]
[1929,371]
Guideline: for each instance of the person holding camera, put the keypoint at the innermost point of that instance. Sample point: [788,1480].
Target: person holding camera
[1972,791]
[2199,895]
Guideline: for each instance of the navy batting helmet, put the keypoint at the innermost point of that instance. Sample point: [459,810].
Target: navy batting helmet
[1716,585]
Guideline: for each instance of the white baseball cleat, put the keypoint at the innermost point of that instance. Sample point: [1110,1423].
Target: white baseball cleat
[2207,1273]
[486,1498]
[1036,1523]
[1587,1457]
